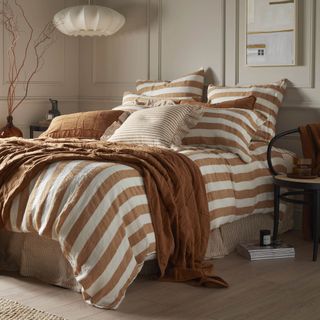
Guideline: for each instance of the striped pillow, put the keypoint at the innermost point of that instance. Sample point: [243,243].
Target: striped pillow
[161,126]
[189,86]
[129,108]
[135,99]
[227,129]
[269,99]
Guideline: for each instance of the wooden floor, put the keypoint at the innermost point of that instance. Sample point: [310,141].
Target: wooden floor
[264,290]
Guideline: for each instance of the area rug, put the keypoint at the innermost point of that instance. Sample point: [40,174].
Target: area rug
[11,310]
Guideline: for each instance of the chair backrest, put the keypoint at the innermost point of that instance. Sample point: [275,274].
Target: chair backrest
[271,143]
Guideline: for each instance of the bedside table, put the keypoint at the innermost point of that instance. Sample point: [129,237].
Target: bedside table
[38,128]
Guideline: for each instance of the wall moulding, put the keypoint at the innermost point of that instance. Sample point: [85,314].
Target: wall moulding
[238,73]
[60,44]
[103,74]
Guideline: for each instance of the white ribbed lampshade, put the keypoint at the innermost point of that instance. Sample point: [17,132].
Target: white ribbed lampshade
[88,20]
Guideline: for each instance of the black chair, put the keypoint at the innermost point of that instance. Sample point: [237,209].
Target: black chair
[309,187]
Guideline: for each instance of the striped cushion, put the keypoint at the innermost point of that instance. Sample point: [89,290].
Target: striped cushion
[227,129]
[269,99]
[189,86]
[161,126]
[134,99]
[129,108]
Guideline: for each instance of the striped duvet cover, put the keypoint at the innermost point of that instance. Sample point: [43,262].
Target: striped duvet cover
[115,197]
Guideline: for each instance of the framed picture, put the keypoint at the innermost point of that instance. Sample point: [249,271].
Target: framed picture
[271,32]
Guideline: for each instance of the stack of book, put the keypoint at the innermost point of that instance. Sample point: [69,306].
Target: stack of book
[254,251]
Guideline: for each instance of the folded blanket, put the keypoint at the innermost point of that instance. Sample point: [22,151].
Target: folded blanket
[173,184]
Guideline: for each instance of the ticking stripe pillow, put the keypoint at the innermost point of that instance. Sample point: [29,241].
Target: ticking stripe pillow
[134,99]
[189,86]
[227,129]
[161,126]
[269,99]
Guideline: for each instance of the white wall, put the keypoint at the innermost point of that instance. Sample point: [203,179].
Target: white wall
[164,39]
[59,77]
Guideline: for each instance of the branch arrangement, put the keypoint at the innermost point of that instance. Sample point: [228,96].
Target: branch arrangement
[34,45]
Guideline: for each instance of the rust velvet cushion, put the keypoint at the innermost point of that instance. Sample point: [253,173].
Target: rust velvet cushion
[242,103]
[82,125]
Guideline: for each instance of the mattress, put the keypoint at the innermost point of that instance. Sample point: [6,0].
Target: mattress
[235,190]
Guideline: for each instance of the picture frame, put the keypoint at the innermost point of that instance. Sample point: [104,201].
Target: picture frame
[271,33]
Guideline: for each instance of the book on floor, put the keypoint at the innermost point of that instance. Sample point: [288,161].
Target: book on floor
[253,251]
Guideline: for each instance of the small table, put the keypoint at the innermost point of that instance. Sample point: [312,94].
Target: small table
[304,186]
[37,127]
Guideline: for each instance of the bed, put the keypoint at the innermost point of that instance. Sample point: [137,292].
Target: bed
[88,223]
[240,200]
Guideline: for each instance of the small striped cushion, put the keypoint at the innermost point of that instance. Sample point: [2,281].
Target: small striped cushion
[227,129]
[134,99]
[129,108]
[189,86]
[161,126]
[269,99]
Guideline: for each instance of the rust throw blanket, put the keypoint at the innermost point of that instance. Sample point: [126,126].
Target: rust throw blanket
[310,141]
[173,185]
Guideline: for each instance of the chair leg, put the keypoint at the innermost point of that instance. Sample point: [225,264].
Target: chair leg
[315,223]
[276,215]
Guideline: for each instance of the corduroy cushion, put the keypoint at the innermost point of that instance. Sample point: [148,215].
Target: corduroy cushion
[186,87]
[82,125]
[269,99]
[228,129]
[161,126]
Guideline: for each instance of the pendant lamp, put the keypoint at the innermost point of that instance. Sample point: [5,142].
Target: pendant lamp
[88,20]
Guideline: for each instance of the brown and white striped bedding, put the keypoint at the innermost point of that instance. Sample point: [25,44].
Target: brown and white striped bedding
[186,87]
[269,99]
[229,129]
[116,197]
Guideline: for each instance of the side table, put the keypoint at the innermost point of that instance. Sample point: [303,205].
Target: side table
[37,127]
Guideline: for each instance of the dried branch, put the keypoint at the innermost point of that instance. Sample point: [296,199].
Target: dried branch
[35,47]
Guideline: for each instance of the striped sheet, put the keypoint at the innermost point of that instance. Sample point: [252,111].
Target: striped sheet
[227,129]
[186,87]
[269,99]
[160,126]
[107,203]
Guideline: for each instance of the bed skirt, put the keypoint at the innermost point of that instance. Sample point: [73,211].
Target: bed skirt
[36,257]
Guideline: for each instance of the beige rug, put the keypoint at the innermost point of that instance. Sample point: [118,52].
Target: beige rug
[11,310]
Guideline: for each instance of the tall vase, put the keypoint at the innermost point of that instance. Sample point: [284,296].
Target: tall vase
[10,130]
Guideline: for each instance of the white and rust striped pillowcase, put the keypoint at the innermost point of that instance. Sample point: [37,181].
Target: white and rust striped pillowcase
[187,87]
[161,127]
[269,99]
[226,129]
